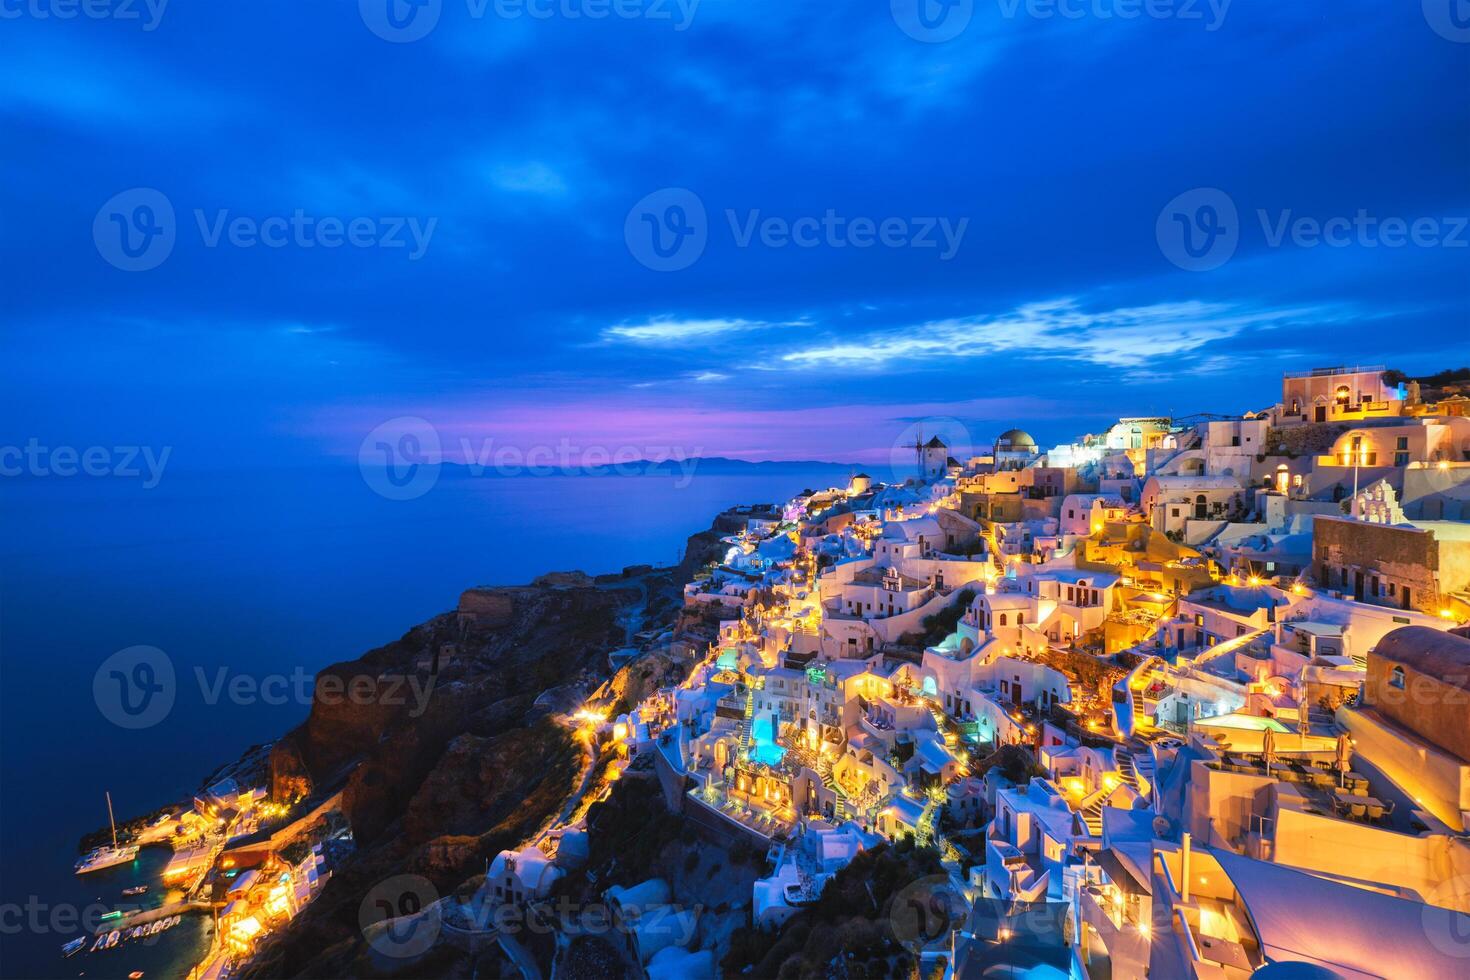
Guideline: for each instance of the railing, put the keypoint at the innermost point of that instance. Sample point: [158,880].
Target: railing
[1194,953]
[1331,372]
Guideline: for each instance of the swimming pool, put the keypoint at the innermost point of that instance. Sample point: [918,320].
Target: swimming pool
[763,747]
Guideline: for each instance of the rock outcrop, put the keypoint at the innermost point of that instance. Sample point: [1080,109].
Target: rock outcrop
[446,743]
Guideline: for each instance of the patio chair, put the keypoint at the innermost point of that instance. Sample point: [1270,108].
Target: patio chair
[1358,810]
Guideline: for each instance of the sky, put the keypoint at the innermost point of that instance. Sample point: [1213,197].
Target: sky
[255,233]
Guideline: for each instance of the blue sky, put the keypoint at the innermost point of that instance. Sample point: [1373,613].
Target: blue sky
[496,168]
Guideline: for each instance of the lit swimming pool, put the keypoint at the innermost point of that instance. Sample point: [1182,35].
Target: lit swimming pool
[763,747]
[1252,723]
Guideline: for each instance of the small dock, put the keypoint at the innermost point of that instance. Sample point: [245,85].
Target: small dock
[145,916]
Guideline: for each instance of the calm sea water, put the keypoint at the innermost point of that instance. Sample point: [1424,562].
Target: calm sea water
[257,574]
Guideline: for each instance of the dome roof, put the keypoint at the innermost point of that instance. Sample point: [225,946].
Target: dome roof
[1015,439]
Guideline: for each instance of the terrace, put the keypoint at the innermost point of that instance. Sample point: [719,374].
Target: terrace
[773,821]
[1317,788]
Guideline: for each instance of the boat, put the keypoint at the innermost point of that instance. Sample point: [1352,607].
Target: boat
[73,947]
[107,857]
[101,941]
[136,975]
[135,890]
[112,938]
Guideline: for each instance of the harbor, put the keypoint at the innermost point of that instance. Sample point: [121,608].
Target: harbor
[193,889]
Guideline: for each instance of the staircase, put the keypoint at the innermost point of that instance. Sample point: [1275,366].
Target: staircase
[1092,817]
[1143,765]
[947,726]
[1127,768]
[926,831]
[1137,770]
[744,728]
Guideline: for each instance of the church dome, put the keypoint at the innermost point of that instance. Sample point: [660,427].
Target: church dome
[1014,440]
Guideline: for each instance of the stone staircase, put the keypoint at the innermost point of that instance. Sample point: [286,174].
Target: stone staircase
[1092,817]
[1143,766]
[1127,768]
[743,730]
[1136,767]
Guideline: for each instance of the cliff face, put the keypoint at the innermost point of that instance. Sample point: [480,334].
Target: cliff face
[382,722]
[442,744]
[442,754]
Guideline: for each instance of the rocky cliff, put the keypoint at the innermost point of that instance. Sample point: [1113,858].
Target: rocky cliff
[442,753]
[444,745]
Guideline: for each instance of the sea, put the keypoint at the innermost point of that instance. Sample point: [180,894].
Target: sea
[247,583]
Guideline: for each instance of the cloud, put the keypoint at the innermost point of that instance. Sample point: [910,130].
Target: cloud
[1127,337]
[707,376]
[534,177]
[661,330]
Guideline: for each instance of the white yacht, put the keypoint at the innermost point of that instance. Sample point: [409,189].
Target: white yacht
[105,856]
